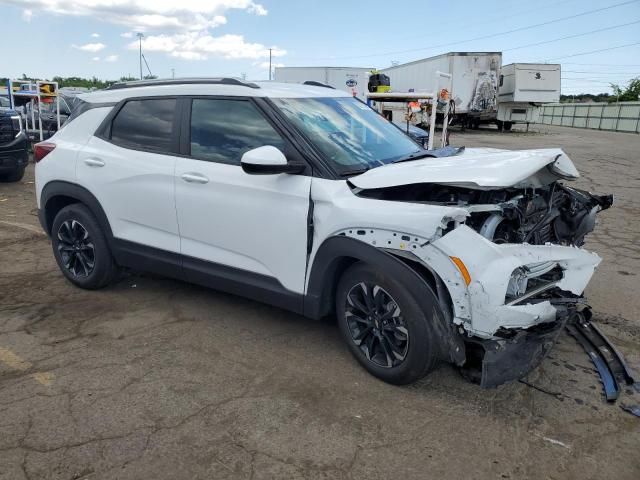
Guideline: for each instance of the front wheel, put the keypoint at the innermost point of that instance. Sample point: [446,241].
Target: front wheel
[384,326]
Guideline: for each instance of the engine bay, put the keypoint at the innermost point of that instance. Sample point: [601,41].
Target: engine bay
[553,214]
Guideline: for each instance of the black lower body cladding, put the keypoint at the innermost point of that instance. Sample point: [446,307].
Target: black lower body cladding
[508,360]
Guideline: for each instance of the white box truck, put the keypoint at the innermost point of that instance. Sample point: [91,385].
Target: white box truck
[522,90]
[350,79]
[474,82]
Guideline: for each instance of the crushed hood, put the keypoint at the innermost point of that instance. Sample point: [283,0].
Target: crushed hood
[478,168]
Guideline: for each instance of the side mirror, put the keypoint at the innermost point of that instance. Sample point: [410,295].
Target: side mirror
[267,160]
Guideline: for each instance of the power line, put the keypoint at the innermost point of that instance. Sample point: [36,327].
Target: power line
[593,51]
[586,80]
[572,36]
[497,34]
[147,64]
[601,73]
[604,64]
[492,21]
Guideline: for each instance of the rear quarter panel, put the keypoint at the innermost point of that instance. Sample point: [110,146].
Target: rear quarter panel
[60,164]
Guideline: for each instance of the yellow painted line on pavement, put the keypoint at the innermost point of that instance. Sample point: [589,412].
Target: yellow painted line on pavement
[12,360]
[15,362]
[44,378]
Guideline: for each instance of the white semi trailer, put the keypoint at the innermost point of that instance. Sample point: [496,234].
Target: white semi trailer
[523,88]
[474,82]
[350,79]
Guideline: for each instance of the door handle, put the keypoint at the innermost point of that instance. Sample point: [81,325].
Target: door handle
[194,178]
[94,162]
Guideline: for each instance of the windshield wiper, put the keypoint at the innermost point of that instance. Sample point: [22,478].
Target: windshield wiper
[414,156]
[349,173]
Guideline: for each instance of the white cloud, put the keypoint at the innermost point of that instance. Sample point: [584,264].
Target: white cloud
[111,58]
[95,35]
[257,9]
[96,59]
[181,29]
[90,47]
[27,15]
[143,15]
[200,46]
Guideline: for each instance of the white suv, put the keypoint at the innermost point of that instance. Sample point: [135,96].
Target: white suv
[305,198]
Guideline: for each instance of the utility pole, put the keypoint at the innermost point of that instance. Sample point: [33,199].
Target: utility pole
[173,73]
[140,35]
[270,63]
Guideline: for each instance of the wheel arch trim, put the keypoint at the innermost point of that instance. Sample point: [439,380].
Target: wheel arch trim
[59,188]
[337,253]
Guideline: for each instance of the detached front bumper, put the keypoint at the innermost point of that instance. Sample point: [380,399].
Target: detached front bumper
[508,325]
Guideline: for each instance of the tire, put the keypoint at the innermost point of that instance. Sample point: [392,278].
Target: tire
[507,126]
[413,354]
[81,249]
[14,176]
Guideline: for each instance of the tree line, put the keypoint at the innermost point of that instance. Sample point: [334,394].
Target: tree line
[630,93]
[92,83]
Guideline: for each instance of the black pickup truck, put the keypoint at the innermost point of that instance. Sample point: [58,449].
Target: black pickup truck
[14,154]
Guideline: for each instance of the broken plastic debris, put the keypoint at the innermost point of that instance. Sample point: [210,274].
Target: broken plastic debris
[632,409]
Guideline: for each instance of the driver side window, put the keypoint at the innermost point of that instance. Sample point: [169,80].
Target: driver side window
[222,130]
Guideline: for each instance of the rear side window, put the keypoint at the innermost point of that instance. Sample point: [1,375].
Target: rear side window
[223,130]
[145,124]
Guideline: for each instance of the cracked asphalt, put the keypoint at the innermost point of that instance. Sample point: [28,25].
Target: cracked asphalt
[153,378]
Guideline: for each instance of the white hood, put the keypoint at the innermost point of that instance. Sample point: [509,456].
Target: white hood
[478,168]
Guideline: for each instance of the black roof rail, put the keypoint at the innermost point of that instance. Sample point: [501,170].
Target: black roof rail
[182,81]
[313,83]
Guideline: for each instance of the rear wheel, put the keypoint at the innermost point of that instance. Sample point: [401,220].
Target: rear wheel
[508,125]
[384,326]
[81,249]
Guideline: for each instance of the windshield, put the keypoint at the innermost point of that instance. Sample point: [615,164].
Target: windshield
[347,132]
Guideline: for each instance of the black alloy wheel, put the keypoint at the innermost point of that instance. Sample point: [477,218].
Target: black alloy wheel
[387,317]
[76,248]
[81,249]
[376,324]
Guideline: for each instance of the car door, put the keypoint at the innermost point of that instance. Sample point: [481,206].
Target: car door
[130,169]
[248,228]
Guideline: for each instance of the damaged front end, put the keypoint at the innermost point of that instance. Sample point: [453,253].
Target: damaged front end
[514,352]
[513,268]
[554,213]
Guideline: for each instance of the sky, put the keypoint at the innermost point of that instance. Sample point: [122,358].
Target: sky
[596,41]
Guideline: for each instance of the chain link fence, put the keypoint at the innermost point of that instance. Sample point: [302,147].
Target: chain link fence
[619,117]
